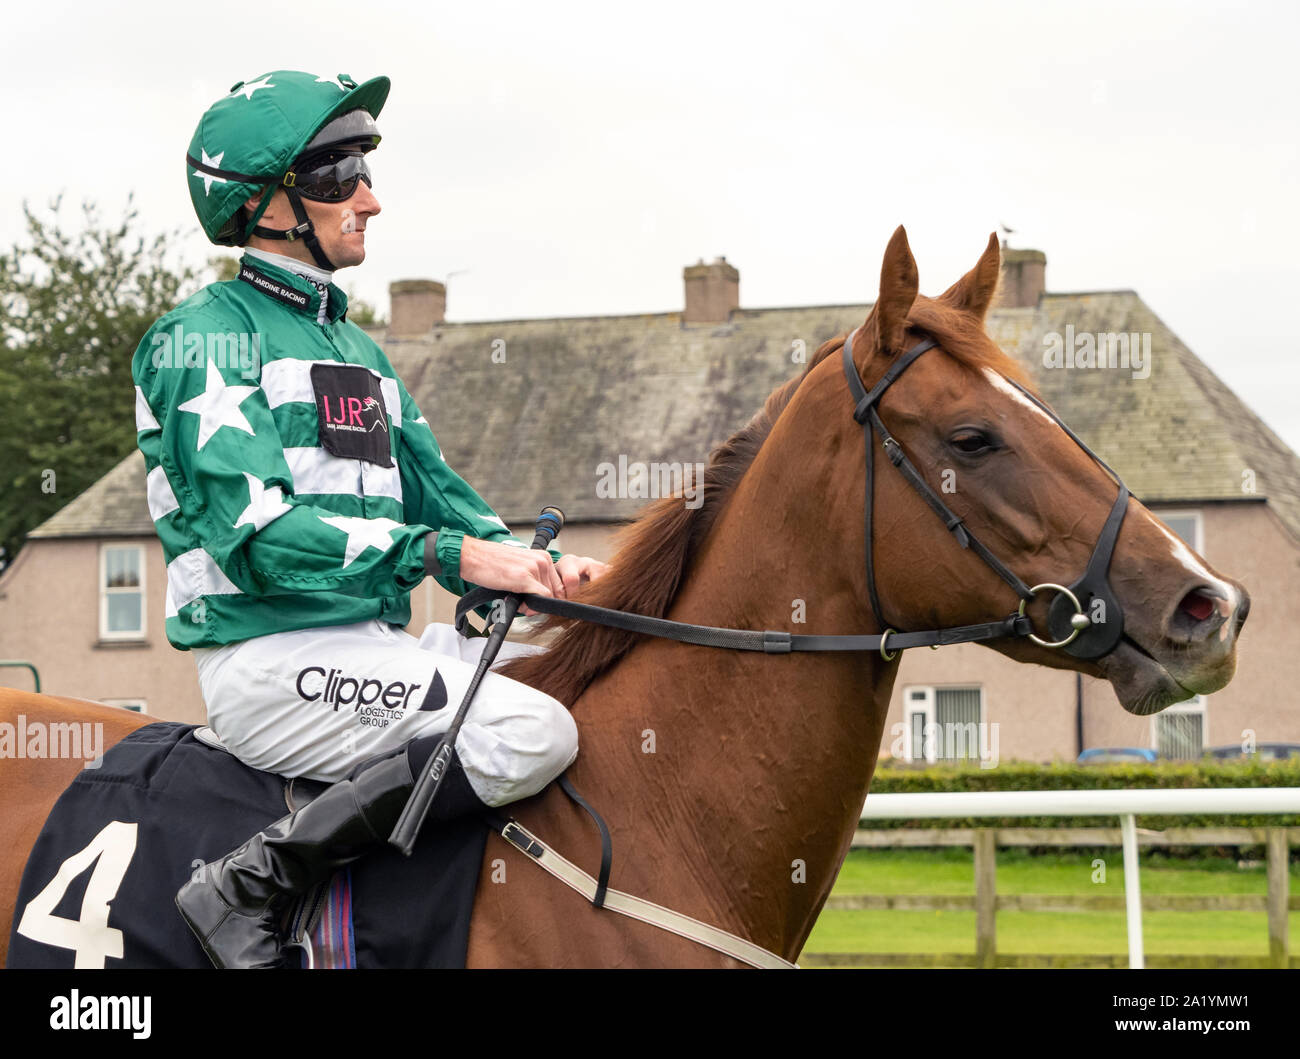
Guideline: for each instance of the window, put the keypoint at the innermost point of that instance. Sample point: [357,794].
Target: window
[958,714]
[1187,524]
[121,592]
[944,723]
[1179,732]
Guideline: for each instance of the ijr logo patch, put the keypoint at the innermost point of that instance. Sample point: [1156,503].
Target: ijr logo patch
[350,410]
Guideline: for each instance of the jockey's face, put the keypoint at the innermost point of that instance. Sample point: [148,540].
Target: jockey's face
[340,227]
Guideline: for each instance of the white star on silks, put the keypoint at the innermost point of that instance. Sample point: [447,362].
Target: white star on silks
[266,504]
[249,87]
[363,533]
[208,178]
[332,81]
[436,447]
[218,406]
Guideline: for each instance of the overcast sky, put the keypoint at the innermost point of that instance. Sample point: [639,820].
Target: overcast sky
[569,159]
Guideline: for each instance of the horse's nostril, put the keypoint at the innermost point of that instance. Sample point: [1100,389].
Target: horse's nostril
[1243,610]
[1197,606]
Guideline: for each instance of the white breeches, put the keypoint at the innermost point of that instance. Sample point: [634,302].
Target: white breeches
[316,702]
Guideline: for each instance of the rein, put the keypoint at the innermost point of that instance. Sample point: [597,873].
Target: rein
[768,641]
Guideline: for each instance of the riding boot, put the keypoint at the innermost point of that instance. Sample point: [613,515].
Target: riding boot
[237,904]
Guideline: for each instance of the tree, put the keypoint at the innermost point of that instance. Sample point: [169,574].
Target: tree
[73,308]
[362,313]
[224,267]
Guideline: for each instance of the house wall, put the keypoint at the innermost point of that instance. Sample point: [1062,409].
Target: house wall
[49,615]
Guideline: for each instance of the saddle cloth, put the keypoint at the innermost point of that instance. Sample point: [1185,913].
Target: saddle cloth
[98,887]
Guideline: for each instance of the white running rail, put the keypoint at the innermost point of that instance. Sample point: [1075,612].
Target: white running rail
[1126,804]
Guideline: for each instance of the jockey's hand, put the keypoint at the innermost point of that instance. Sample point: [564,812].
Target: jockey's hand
[514,569]
[576,570]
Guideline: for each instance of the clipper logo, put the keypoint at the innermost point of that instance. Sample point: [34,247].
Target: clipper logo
[375,703]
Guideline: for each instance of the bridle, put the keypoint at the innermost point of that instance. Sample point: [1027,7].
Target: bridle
[1078,624]
[1068,619]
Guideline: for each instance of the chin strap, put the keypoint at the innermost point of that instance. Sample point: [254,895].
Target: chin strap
[302,230]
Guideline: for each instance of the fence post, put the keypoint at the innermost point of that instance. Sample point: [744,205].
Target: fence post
[1132,892]
[1279,887]
[986,897]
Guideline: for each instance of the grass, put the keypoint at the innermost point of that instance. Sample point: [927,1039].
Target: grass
[951,871]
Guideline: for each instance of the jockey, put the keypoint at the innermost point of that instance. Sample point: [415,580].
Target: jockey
[300,496]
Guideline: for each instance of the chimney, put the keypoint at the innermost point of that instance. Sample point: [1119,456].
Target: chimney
[1023,278]
[416,306]
[712,292]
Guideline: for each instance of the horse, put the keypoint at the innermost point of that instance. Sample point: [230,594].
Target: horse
[732,782]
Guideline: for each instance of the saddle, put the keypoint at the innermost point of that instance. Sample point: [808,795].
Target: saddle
[98,887]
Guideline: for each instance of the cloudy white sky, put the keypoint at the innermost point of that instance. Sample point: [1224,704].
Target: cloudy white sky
[570,158]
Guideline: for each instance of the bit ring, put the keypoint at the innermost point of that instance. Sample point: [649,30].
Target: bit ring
[1077,625]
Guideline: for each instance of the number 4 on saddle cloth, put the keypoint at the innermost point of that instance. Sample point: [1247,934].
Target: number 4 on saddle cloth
[99,887]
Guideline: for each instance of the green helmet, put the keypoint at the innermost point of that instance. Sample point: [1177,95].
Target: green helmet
[251,138]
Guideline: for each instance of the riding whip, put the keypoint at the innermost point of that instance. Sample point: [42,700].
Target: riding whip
[548,526]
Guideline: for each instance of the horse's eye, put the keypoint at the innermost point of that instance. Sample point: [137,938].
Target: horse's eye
[971,443]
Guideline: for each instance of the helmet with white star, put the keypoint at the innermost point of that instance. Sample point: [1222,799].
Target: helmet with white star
[250,139]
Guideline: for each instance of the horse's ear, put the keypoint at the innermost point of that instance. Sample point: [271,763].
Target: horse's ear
[974,292]
[898,286]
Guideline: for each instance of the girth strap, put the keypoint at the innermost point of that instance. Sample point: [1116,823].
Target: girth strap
[636,907]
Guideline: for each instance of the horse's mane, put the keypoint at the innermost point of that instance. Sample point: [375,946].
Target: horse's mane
[652,553]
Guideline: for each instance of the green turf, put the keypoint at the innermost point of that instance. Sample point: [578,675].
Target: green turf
[951,871]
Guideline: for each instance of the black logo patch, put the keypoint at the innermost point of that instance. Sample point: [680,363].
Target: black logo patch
[350,411]
[273,287]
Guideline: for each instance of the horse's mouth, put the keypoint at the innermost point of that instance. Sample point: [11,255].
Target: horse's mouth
[1143,684]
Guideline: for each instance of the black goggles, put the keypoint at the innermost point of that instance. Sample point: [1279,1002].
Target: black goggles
[330,177]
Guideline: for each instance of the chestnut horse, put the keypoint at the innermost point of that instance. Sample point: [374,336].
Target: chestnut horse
[733,781]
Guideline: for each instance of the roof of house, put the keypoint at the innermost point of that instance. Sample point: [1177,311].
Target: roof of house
[528,411]
[114,506]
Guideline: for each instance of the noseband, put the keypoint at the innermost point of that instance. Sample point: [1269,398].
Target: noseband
[1080,627]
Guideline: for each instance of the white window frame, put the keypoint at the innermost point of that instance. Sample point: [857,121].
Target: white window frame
[925,707]
[1197,545]
[1197,704]
[104,591]
[928,707]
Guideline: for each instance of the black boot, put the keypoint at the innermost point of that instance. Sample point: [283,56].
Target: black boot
[236,906]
